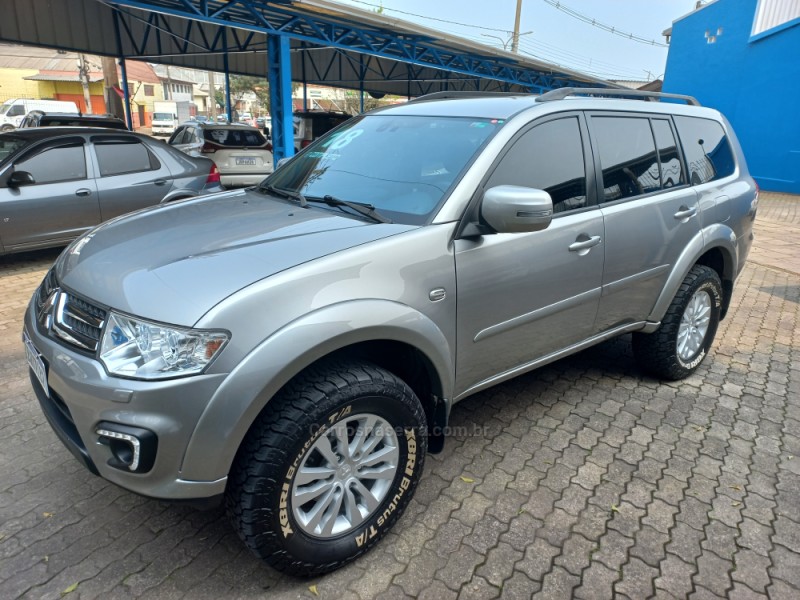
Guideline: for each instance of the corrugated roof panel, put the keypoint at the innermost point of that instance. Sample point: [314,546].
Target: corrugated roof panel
[88,26]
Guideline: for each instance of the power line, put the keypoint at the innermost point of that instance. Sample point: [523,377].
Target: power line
[403,12]
[588,64]
[595,23]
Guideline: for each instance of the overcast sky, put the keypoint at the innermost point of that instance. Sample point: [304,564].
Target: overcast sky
[557,37]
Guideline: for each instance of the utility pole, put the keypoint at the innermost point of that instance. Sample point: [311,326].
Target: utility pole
[83,75]
[212,98]
[110,87]
[515,42]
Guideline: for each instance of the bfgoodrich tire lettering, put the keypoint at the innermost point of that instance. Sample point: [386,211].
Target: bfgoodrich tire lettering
[263,484]
[665,353]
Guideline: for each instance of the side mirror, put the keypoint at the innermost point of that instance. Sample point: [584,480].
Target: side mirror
[514,209]
[19,178]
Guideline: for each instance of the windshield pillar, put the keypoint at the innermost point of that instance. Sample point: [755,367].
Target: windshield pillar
[279,75]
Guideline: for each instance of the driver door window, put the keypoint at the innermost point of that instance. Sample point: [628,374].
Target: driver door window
[60,163]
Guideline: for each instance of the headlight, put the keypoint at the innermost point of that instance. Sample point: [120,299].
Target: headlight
[136,348]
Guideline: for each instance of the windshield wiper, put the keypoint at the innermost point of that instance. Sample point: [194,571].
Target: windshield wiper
[285,194]
[361,208]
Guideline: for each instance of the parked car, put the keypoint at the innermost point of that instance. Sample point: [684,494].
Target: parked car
[241,152]
[39,118]
[13,111]
[312,124]
[297,348]
[56,184]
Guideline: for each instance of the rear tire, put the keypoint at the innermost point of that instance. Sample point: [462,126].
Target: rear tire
[687,330]
[328,467]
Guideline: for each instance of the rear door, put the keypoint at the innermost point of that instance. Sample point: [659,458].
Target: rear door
[129,175]
[522,296]
[649,210]
[59,206]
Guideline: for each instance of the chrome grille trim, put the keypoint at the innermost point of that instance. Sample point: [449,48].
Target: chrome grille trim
[78,322]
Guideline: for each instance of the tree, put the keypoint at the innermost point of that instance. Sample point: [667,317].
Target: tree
[241,85]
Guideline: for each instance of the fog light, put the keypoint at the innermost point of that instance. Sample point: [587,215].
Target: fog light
[127,452]
[132,448]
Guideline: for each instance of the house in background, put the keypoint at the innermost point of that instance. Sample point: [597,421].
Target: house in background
[29,72]
[742,57]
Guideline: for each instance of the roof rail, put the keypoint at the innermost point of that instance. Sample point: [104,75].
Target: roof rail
[561,93]
[465,94]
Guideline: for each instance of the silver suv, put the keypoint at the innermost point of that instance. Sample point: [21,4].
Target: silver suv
[296,348]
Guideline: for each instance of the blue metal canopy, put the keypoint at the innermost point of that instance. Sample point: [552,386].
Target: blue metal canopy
[310,41]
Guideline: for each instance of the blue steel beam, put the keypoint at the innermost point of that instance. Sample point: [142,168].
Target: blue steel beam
[284,19]
[279,75]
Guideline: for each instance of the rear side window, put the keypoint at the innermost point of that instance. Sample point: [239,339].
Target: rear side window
[708,152]
[671,167]
[60,163]
[548,157]
[627,155]
[118,157]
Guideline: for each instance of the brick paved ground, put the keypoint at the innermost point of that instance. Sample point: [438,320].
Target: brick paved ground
[587,480]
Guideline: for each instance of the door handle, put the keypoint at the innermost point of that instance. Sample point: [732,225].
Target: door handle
[83,192]
[160,181]
[586,244]
[685,212]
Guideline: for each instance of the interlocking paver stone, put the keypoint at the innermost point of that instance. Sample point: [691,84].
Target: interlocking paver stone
[589,479]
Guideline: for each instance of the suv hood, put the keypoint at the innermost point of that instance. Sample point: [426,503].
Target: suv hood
[174,263]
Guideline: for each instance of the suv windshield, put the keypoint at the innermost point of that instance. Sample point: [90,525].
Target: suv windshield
[401,165]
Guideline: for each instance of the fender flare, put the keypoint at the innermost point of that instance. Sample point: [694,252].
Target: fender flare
[265,370]
[717,235]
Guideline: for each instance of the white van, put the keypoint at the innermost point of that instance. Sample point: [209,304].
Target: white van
[12,111]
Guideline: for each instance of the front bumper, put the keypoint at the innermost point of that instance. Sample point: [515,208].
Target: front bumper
[82,396]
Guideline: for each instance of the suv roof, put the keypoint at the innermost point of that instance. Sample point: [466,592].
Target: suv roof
[500,105]
[39,118]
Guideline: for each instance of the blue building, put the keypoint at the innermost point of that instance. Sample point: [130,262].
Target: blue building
[742,57]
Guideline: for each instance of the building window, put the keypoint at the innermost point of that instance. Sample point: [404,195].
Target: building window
[148,90]
[773,13]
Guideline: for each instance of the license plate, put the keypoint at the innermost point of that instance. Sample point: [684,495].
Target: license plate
[35,362]
[245,161]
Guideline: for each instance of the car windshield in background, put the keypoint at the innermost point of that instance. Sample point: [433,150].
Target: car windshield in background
[9,145]
[162,117]
[236,138]
[401,165]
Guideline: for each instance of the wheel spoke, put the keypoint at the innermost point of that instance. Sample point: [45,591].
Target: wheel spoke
[323,446]
[365,429]
[370,501]
[342,443]
[378,456]
[308,475]
[308,493]
[384,472]
[351,508]
[332,515]
[316,514]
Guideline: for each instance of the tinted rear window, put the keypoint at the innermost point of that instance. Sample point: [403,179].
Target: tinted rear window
[628,157]
[708,152]
[118,157]
[235,138]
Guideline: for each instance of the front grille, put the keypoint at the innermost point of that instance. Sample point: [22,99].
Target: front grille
[78,322]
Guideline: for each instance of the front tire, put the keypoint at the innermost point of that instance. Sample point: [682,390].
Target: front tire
[328,467]
[687,330]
